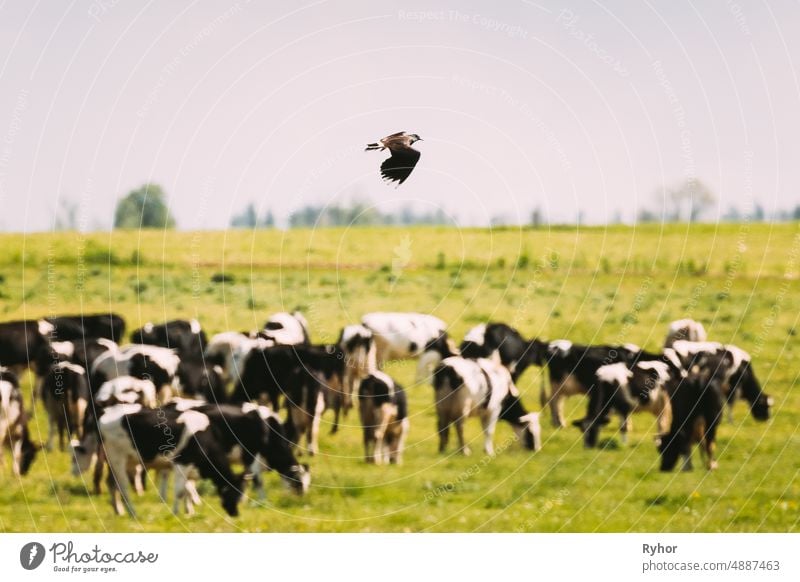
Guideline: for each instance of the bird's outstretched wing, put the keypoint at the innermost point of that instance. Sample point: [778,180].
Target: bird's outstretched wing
[398,167]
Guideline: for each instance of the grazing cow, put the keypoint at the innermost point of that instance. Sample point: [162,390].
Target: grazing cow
[270,372]
[645,386]
[253,436]
[516,353]
[229,349]
[480,388]
[286,329]
[573,369]
[731,367]
[164,439]
[78,328]
[21,342]
[360,359]
[66,396]
[87,452]
[142,361]
[384,416]
[685,329]
[14,424]
[696,411]
[402,336]
[187,338]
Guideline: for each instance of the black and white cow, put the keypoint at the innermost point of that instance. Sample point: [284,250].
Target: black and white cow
[697,408]
[187,338]
[21,342]
[515,352]
[685,329]
[78,328]
[253,436]
[229,349]
[164,439]
[286,329]
[482,388]
[572,369]
[199,379]
[644,386]
[14,433]
[119,390]
[66,396]
[270,372]
[731,367]
[160,365]
[402,336]
[360,359]
[383,409]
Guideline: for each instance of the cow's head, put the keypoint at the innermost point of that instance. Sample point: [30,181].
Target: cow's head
[28,452]
[230,494]
[526,424]
[537,352]
[760,403]
[297,478]
[671,447]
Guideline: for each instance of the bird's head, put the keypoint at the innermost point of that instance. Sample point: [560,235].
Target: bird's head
[415,138]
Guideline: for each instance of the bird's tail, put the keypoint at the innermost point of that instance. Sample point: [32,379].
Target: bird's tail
[373,146]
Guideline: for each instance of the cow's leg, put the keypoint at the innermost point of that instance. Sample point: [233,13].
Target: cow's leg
[399,442]
[381,450]
[181,473]
[663,412]
[99,463]
[489,423]
[118,487]
[444,433]
[557,410]
[16,456]
[687,462]
[139,474]
[369,443]
[163,484]
[319,408]
[625,425]
[462,445]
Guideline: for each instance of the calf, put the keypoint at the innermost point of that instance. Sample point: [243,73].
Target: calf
[79,328]
[287,329]
[402,336]
[66,396]
[14,424]
[572,369]
[384,416]
[685,329]
[480,388]
[515,352]
[187,338]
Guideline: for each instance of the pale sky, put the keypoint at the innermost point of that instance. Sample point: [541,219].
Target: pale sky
[565,105]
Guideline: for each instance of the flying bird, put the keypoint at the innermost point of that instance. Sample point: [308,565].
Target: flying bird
[404,158]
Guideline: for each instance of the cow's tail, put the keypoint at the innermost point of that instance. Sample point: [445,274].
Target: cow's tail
[445,376]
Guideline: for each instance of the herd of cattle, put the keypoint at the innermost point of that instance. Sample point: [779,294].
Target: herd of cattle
[181,403]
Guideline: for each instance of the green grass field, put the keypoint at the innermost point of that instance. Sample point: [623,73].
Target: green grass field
[591,285]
